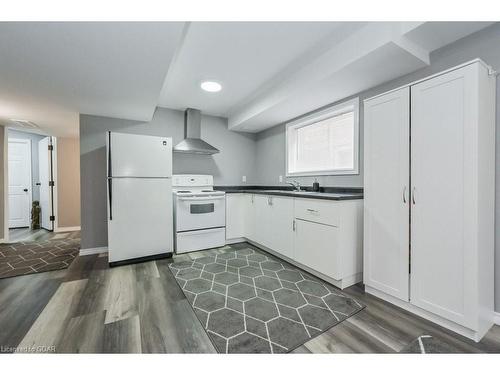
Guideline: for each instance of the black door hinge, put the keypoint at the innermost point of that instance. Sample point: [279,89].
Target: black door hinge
[52,218]
[51,183]
[51,147]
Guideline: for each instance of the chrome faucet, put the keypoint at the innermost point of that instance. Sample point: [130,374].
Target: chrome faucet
[295,184]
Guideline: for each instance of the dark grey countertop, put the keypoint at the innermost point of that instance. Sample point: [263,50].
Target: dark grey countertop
[327,193]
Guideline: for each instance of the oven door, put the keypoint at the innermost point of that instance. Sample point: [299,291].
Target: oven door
[198,212]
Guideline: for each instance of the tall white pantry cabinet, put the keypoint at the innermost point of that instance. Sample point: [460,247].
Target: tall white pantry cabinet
[429,197]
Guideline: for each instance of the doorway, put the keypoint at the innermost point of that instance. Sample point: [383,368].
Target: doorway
[30,181]
[33,243]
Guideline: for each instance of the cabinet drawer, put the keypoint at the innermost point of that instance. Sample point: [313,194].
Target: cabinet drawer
[318,211]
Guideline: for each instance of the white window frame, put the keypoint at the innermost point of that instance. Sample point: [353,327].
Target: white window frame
[338,109]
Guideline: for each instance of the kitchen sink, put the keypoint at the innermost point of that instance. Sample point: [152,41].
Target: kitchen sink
[290,191]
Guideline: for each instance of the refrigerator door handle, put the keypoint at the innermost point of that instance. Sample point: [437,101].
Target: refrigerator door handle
[110,196]
[109,154]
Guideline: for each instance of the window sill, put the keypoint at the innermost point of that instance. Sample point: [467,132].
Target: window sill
[326,173]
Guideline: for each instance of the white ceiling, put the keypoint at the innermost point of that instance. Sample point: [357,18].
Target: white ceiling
[270,71]
[242,56]
[51,72]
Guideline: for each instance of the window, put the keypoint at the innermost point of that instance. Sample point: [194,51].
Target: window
[324,143]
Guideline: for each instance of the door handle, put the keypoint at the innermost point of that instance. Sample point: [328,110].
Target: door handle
[311,210]
[413,195]
[25,190]
[404,195]
[207,198]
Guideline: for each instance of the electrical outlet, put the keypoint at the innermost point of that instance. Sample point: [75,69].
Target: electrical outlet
[281,178]
[244,178]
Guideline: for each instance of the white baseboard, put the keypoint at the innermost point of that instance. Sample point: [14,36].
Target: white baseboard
[461,330]
[496,318]
[67,229]
[235,240]
[93,250]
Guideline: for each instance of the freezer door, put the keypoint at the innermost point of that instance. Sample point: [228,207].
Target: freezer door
[139,217]
[131,155]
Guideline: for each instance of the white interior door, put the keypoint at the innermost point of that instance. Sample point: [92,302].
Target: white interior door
[45,176]
[140,221]
[444,113]
[386,194]
[20,186]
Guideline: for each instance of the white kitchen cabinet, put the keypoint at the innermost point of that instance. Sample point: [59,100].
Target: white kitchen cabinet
[322,236]
[450,219]
[240,217]
[281,225]
[263,224]
[317,247]
[236,211]
[250,216]
[328,239]
[274,223]
[447,134]
[386,194]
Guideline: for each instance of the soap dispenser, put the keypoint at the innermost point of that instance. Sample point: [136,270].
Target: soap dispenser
[315,185]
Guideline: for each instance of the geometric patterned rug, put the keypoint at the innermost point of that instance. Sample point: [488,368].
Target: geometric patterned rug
[22,258]
[251,302]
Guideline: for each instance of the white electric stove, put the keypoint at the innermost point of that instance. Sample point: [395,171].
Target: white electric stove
[199,213]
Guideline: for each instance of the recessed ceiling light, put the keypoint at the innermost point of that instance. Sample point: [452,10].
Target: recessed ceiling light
[211,86]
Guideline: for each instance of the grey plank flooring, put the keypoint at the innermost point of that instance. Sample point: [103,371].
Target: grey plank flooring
[28,235]
[91,308]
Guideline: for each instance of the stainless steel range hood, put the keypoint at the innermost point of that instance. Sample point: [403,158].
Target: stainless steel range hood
[192,142]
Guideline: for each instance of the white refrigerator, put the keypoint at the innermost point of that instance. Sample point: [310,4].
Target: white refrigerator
[139,185]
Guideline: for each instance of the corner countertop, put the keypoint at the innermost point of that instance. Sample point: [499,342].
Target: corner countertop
[327,193]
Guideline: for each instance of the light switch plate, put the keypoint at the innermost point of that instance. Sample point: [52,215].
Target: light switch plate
[281,178]
[244,178]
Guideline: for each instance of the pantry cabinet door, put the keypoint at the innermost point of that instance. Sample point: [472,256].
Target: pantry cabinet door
[444,119]
[386,193]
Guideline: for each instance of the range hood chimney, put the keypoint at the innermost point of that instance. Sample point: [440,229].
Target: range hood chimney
[192,142]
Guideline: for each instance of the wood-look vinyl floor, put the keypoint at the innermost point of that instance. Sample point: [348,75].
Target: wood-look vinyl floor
[28,235]
[91,308]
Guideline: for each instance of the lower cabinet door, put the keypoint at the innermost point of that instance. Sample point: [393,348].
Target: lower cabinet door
[281,233]
[235,215]
[316,246]
[263,222]
[250,217]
